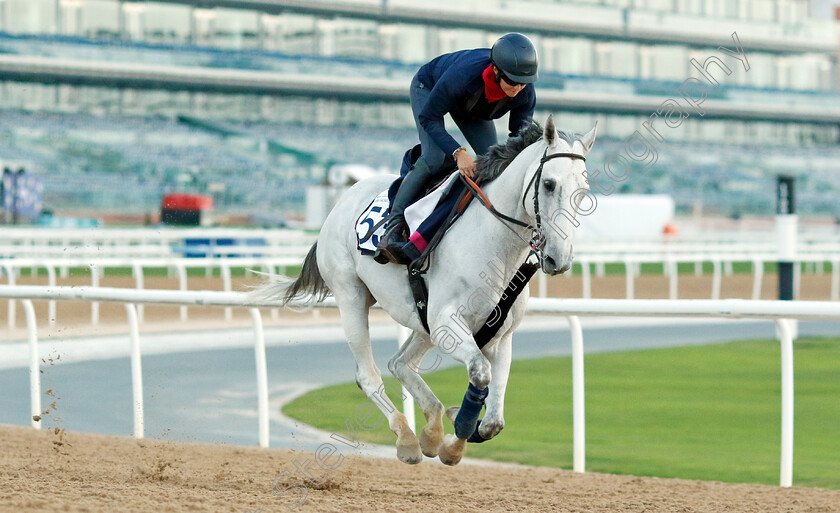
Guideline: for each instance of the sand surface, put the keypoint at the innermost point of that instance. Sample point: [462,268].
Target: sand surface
[59,471]
[49,471]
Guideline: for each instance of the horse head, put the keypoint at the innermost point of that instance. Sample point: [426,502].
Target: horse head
[560,193]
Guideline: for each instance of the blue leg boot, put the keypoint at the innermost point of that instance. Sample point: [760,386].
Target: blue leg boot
[466,422]
[476,438]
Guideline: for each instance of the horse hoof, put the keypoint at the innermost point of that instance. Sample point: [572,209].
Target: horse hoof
[410,453]
[452,450]
[430,440]
[408,448]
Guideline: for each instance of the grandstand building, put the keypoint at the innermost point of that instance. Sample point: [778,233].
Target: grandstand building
[116,103]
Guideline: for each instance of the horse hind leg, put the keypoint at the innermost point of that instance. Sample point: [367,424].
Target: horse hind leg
[354,317]
[405,365]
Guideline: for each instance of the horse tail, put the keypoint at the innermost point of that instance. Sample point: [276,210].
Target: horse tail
[309,282]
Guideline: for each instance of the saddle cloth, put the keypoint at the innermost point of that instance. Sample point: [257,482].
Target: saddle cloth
[423,217]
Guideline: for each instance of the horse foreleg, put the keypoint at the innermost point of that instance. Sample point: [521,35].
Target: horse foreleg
[405,365]
[494,418]
[465,419]
[479,370]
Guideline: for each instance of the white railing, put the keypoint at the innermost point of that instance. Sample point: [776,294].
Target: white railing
[139,235]
[115,247]
[143,242]
[97,266]
[16,242]
[722,264]
[32,242]
[778,311]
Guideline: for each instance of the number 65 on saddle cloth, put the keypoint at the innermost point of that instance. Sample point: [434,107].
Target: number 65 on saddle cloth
[424,217]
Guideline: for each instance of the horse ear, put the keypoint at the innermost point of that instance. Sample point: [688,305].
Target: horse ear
[550,132]
[589,139]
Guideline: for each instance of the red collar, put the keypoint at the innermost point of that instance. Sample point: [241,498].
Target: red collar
[492,91]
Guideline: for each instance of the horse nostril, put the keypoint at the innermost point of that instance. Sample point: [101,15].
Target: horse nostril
[550,263]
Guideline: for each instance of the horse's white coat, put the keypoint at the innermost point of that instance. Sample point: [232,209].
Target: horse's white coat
[464,285]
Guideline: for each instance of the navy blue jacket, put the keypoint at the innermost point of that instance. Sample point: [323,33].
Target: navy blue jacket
[457,88]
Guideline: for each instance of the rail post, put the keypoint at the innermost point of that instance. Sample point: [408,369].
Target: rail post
[758,277]
[586,274]
[34,365]
[10,272]
[226,282]
[94,305]
[578,399]
[786,340]
[835,280]
[629,278]
[136,369]
[182,285]
[137,271]
[262,376]
[51,305]
[673,278]
[716,279]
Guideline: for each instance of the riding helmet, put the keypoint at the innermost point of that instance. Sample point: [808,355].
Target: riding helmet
[515,55]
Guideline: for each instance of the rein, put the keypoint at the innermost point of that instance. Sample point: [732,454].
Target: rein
[416,268]
[537,241]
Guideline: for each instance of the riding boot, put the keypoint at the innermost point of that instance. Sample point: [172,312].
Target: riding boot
[396,230]
[389,248]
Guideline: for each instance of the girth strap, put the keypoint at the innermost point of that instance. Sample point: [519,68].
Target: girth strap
[499,314]
[417,268]
[417,284]
[497,317]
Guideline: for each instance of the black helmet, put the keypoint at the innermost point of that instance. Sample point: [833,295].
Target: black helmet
[515,55]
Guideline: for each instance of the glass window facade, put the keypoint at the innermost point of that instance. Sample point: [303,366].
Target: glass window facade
[168,23]
[328,112]
[378,132]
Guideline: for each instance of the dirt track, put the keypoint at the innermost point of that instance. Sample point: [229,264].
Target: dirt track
[120,474]
[51,472]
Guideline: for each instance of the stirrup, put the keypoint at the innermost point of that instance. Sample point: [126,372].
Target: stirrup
[394,256]
[390,245]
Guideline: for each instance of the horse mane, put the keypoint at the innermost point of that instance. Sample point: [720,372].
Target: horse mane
[488,167]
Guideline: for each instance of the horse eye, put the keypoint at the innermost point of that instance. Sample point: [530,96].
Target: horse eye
[549,184]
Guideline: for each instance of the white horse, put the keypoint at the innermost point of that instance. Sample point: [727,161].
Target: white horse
[467,274]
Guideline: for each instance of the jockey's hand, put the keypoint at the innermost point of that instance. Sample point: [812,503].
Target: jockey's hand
[466,163]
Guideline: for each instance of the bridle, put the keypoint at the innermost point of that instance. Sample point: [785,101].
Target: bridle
[537,242]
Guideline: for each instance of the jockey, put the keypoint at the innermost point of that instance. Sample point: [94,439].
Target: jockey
[474,87]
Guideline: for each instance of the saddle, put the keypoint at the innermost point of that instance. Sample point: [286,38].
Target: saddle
[428,219]
[425,217]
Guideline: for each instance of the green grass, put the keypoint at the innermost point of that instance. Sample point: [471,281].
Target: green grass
[683,268]
[708,412]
